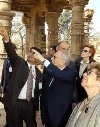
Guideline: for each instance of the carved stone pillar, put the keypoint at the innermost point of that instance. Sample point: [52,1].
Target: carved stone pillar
[88,14]
[6,17]
[77,26]
[52,22]
[39,35]
[33,24]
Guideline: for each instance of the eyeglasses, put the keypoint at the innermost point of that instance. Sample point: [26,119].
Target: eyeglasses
[91,72]
[84,50]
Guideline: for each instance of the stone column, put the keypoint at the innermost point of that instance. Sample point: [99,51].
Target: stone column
[52,23]
[33,24]
[6,17]
[39,35]
[77,26]
[27,22]
[88,14]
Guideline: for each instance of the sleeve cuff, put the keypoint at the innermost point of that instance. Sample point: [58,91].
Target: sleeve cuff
[46,63]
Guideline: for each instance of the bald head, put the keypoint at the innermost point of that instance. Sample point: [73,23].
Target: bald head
[62,45]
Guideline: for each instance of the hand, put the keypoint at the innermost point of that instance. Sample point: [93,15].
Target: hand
[37,55]
[3,32]
[37,112]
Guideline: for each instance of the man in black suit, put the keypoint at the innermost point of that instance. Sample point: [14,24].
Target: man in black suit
[52,50]
[57,91]
[19,106]
[6,74]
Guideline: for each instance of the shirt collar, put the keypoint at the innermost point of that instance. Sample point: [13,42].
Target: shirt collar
[85,63]
[33,66]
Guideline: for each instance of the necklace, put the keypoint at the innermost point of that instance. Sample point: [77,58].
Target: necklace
[86,106]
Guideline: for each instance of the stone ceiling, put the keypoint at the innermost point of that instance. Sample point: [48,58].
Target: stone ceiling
[50,5]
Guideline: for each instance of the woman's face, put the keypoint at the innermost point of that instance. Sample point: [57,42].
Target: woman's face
[90,79]
[85,53]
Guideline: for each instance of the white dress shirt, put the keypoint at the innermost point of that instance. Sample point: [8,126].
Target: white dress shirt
[22,94]
[82,67]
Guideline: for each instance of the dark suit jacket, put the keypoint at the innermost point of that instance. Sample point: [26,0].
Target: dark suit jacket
[80,90]
[20,72]
[5,73]
[58,96]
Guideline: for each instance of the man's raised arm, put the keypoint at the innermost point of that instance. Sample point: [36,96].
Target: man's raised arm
[4,33]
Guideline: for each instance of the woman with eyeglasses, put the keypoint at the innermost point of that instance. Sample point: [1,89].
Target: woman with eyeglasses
[87,54]
[87,112]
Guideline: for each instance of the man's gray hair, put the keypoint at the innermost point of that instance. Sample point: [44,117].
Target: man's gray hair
[65,55]
[62,42]
[58,45]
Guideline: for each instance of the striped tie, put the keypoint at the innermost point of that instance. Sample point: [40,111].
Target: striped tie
[29,85]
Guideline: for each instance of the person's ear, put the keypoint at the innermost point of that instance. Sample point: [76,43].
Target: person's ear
[98,82]
[99,85]
[57,48]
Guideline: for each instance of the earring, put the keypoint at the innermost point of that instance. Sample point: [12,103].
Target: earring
[99,85]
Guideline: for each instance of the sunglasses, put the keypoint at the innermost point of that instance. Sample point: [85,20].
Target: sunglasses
[84,50]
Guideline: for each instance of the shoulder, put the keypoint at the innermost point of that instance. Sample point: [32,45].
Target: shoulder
[37,70]
[49,59]
[71,69]
[77,61]
[92,61]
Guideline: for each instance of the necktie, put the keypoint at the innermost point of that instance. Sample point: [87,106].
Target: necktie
[29,85]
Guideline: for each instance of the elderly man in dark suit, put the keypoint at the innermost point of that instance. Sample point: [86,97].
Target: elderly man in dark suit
[21,97]
[57,91]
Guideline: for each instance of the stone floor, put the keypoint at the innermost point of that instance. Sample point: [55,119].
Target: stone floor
[2,117]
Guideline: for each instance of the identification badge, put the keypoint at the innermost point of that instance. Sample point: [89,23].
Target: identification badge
[10,69]
[40,85]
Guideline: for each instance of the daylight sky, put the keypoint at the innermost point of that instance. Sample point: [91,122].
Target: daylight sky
[94,4]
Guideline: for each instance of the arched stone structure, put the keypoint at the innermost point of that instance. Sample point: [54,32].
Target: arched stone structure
[40,11]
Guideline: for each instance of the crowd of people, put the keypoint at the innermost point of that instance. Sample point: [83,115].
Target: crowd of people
[70,95]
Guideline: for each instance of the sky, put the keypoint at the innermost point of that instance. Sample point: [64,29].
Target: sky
[94,4]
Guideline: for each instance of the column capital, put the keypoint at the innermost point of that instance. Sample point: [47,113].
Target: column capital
[6,17]
[88,14]
[27,21]
[52,15]
[54,7]
[5,5]
[78,2]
